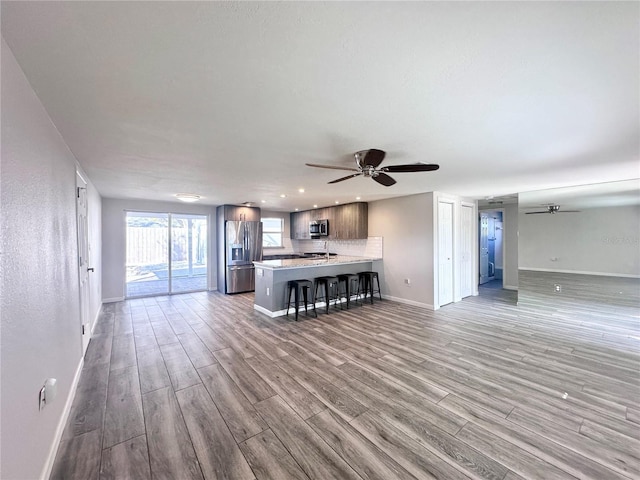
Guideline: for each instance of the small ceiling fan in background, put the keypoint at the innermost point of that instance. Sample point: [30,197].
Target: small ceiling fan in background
[368,161]
[552,209]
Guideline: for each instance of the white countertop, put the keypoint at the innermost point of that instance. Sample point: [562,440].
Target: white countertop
[312,262]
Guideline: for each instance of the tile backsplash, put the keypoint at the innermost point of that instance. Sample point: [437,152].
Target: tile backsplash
[370,247]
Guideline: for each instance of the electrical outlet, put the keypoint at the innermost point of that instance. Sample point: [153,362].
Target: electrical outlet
[407,281]
[557,287]
[267,291]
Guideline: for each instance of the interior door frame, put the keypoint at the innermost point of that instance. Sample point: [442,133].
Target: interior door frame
[504,240]
[472,248]
[82,238]
[454,253]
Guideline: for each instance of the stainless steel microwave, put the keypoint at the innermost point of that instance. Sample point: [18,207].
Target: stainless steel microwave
[319,228]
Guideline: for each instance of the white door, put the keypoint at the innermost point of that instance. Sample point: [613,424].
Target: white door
[466,251]
[484,248]
[83,259]
[445,253]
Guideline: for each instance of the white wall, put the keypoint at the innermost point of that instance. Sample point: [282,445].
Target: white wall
[406,225]
[114,238]
[596,240]
[40,319]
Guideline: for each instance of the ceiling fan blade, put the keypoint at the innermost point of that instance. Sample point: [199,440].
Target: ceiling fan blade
[384,179]
[535,213]
[373,157]
[412,167]
[350,169]
[345,178]
[568,211]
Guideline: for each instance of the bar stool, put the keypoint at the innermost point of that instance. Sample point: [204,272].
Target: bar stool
[349,279]
[296,286]
[366,279]
[330,284]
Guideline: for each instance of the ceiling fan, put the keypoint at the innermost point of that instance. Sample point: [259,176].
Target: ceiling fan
[553,209]
[368,161]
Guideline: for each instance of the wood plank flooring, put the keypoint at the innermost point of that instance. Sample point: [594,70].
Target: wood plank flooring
[202,386]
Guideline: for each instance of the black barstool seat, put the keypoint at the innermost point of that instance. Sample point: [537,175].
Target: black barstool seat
[331,290]
[306,287]
[349,279]
[366,280]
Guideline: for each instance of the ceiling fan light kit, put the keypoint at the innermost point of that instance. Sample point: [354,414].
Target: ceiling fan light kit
[368,162]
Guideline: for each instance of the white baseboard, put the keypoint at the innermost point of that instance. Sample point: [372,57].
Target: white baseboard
[282,313]
[580,272]
[62,423]
[269,313]
[408,302]
[510,287]
[112,300]
[95,320]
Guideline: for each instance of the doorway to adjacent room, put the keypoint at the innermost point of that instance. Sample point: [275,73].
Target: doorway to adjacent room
[491,248]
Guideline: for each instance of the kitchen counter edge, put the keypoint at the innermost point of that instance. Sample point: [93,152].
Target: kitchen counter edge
[316,262]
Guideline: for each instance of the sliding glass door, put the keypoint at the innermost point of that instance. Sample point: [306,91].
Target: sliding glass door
[188,253]
[162,260]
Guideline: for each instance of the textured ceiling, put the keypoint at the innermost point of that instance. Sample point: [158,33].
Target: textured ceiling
[228,100]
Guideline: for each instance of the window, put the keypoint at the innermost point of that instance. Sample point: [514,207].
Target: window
[272,232]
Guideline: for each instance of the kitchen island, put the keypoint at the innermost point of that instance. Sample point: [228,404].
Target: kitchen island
[272,277]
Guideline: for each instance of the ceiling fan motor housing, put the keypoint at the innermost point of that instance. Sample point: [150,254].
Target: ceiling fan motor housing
[368,161]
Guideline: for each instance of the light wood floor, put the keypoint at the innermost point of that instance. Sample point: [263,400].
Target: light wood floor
[202,386]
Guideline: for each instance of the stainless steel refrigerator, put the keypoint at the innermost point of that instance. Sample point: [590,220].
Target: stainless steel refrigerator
[243,246]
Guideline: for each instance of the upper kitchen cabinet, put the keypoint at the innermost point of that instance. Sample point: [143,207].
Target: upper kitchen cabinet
[242,214]
[299,227]
[350,221]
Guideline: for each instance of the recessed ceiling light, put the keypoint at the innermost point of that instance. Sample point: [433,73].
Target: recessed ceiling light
[315,206]
[248,204]
[357,198]
[263,201]
[187,197]
[301,190]
[283,196]
[297,209]
[337,201]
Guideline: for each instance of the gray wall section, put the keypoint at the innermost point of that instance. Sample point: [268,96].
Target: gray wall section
[114,239]
[41,328]
[596,240]
[510,273]
[406,223]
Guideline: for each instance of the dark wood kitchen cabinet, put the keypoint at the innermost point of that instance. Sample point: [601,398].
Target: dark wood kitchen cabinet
[346,222]
[243,214]
[299,228]
[350,221]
